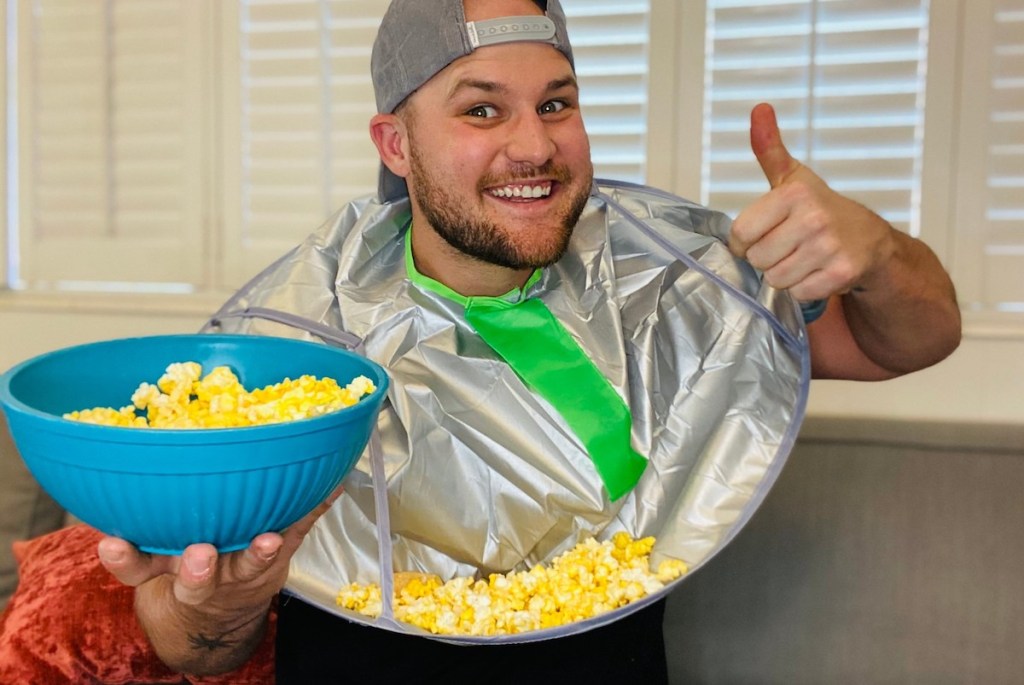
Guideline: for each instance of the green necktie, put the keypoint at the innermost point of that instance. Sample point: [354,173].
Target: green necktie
[539,349]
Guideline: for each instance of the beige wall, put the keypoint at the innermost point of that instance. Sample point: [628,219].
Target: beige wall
[25,333]
[983,381]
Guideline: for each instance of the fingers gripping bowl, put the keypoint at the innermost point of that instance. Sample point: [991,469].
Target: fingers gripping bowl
[164,489]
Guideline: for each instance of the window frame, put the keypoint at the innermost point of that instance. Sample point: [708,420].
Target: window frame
[4,218]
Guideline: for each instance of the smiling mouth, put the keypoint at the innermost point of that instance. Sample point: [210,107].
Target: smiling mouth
[525,191]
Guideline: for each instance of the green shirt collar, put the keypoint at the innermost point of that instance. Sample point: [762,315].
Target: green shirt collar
[427,283]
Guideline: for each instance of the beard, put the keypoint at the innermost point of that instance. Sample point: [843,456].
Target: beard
[474,235]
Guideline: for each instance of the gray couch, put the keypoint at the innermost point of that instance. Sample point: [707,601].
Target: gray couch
[887,552]
[25,510]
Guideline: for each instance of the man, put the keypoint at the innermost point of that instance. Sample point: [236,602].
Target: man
[489,142]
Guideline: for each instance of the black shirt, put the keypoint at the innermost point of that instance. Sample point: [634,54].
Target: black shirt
[314,647]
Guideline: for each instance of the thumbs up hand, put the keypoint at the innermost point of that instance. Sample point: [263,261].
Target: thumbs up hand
[802,235]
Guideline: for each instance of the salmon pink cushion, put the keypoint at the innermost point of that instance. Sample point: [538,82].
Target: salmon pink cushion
[71,622]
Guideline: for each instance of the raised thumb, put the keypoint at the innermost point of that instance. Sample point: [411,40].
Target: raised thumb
[766,142]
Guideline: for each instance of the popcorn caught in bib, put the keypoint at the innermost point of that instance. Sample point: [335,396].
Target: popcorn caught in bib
[590,579]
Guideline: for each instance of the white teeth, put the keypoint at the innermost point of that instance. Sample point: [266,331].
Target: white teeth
[522,191]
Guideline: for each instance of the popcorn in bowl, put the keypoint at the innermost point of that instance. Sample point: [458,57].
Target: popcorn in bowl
[184,398]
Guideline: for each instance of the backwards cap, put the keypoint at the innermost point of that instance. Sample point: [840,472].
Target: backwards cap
[418,38]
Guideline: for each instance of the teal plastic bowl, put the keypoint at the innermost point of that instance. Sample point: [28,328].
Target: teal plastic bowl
[164,489]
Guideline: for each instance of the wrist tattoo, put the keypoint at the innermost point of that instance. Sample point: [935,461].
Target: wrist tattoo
[218,641]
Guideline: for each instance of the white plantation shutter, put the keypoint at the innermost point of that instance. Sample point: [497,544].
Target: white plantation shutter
[133,176]
[847,80]
[302,100]
[109,137]
[610,46]
[989,246]
[178,145]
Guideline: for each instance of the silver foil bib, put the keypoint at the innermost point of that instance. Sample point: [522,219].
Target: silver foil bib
[470,472]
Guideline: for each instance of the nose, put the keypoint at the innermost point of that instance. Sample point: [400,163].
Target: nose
[530,140]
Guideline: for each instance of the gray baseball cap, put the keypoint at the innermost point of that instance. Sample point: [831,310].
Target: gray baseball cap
[418,38]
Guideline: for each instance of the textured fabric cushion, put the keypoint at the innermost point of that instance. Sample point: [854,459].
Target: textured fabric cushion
[70,622]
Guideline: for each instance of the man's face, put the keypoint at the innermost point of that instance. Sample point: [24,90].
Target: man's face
[500,160]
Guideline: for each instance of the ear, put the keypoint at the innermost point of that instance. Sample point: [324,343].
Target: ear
[389,134]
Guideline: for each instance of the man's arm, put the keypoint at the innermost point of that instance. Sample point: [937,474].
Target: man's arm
[205,614]
[892,307]
[904,319]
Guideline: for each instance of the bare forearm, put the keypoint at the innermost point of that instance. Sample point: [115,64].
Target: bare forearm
[905,317]
[190,642]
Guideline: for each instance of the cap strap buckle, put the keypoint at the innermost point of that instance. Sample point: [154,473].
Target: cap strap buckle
[510,30]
